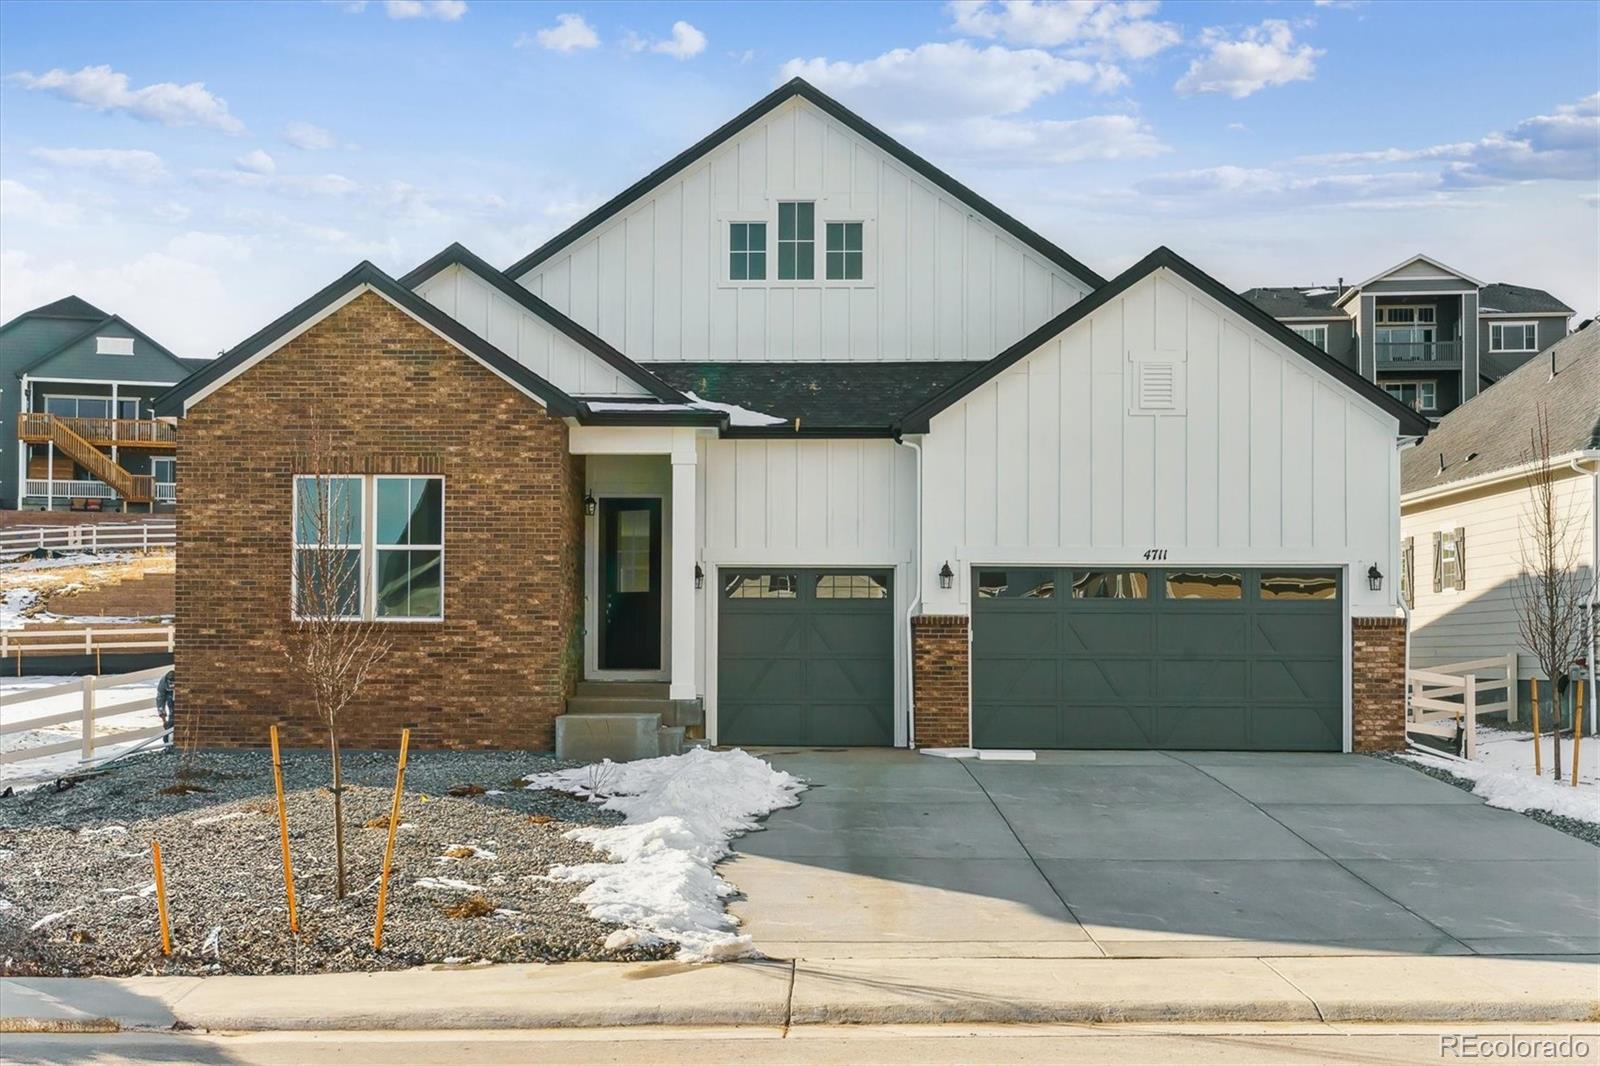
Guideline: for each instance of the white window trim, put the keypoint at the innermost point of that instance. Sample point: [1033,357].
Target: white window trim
[825,210]
[100,347]
[1420,383]
[46,397]
[823,245]
[1499,327]
[367,549]
[1319,328]
[376,548]
[777,242]
[725,271]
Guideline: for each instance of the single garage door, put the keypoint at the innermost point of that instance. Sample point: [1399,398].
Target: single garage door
[1205,658]
[805,656]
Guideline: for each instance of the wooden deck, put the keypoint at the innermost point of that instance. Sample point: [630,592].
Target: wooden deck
[151,434]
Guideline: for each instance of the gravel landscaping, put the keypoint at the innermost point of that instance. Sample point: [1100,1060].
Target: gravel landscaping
[469,881]
[1588,832]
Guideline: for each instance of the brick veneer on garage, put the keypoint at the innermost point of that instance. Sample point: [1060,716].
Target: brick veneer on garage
[939,657]
[393,397]
[1378,665]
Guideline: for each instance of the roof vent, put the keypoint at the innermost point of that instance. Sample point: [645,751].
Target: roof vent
[1471,456]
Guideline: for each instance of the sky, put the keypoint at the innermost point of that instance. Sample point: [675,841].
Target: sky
[202,168]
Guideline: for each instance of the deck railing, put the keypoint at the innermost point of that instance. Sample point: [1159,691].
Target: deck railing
[1418,351]
[123,432]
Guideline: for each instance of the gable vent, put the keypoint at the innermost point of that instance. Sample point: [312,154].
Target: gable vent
[1158,387]
[113,346]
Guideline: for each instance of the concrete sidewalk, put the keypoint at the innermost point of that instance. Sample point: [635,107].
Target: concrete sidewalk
[855,991]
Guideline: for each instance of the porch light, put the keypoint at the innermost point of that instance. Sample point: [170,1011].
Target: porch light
[589,504]
[699,577]
[947,576]
[1374,578]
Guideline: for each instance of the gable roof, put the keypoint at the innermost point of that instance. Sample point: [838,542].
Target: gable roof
[66,307]
[1293,302]
[458,255]
[1500,298]
[1418,258]
[1490,432]
[799,87]
[94,328]
[235,361]
[916,421]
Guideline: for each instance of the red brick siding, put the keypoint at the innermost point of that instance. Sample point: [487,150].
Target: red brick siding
[1378,676]
[939,656]
[393,397]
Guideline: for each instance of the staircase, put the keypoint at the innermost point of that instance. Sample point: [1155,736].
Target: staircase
[625,720]
[135,488]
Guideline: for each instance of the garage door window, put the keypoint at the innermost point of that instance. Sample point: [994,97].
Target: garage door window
[1016,584]
[1110,585]
[852,587]
[1299,585]
[1205,585]
[761,587]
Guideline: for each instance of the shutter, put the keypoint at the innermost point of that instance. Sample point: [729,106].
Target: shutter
[1408,571]
[1461,558]
[1438,561]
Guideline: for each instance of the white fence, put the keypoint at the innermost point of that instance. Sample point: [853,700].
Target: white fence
[1445,701]
[85,640]
[89,537]
[88,715]
[89,489]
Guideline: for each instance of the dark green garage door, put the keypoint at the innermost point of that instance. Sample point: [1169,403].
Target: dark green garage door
[805,657]
[1205,658]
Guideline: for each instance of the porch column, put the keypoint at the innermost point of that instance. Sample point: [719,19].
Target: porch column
[684,549]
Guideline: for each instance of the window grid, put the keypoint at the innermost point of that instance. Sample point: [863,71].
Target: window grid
[1513,337]
[852,587]
[761,587]
[797,240]
[844,251]
[390,530]
[1317,335]
[747,251]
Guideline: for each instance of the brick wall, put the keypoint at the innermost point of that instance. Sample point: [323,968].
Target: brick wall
[1378,667]
[939,679]
[393,397]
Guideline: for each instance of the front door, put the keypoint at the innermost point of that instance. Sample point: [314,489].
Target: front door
[630,584]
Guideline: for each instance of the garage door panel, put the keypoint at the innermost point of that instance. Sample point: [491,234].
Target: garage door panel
[1293,632]
[1096,680]
[765,679]
[1107,725]
[1202,679]
[1021,680]
[1101,631]
[848,634]
[1014,633]
[848,679]
[762,635]
[1296,727]
[1197,727]
[1283,680]
[848,724]
[1201,633]
[761,722]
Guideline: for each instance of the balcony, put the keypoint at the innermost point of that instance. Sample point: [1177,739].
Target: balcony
[149,433]
[1410,353]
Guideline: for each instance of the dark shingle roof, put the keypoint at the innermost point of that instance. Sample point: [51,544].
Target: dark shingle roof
[1315,302]
[1517,300]
[66,307]
[1494,426]
[834,396]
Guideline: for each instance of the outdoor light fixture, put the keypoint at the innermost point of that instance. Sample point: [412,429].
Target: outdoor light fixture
[589,504]
[947,576]
[699,577]
[1374,578]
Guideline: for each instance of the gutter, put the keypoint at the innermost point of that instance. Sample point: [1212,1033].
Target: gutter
[915,600]
[1510,473]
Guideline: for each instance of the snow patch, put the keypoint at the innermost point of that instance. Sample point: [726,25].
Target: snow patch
[1513,791]
[680,813]
[1315,292]
[737,416]
[447,884]
[230,816]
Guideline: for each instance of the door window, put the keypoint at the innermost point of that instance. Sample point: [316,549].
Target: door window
[633,551]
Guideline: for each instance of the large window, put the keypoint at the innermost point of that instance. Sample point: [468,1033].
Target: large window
[747,251]
[1513,337]
[844,251]
[91,407]
[797,241]
[1317,335]
[390,567]
[1417,395]
[1403,332]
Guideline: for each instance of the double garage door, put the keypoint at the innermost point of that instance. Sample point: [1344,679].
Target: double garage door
[1214,658]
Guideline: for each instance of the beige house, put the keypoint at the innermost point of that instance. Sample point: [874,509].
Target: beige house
[1464,501]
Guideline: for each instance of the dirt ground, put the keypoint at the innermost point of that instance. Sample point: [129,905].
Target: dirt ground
[75,518]
[137,586]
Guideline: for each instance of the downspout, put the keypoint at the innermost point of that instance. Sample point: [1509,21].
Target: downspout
[1590,616]
[1405,610]
[916,598]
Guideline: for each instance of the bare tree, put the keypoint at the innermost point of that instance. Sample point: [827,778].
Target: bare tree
[332,645]
[1549,597]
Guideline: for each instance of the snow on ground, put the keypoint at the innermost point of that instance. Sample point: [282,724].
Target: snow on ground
[55,562]
[1517,791]
[49,766]
[1512,751]
[680,813]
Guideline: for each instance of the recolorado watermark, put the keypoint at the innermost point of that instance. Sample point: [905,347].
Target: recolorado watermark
[1553,1047]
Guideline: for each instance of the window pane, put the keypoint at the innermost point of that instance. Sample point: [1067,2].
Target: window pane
[394,507]
[805,266]
[736,266]
[633,551]
[1299,585]
[835,233]
[786,222]
[760,587]
[409,584]
[427,584]
[61,406]
[88,408]
[852,266]
[737,237]
[758,236]
[337,502]
[393,588]
[852,237]
[1205,585]
[1110,585]
[1016,584]
[852,587]
[805,227]
[785,260]
[327,583]
[758,266]
[835,265]
[427,510]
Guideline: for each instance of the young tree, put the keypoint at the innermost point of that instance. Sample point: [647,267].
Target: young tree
[1549,597]
[331,644]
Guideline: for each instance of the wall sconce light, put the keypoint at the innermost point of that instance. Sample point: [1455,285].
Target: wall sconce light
[589,504]
[1374,578]
[947,576]
[699,577]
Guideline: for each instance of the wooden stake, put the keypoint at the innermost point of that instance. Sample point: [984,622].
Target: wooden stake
[1538,756]
[283,833]
[388,851]
[1577,731]
[161,898]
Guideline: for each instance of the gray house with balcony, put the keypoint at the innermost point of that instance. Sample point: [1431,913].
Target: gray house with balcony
[77,387]
[1430,335]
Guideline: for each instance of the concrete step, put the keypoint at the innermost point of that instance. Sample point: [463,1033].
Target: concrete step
[618,737]
[649,690]
[672,712]
[671,740]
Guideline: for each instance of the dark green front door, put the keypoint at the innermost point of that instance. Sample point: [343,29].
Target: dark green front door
[805,656]
[1219,658]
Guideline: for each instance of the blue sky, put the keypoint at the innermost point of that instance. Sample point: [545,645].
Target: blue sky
[202,168]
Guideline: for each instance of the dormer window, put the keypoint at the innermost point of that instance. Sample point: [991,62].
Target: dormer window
[797,240]
[113,346]
[747,251]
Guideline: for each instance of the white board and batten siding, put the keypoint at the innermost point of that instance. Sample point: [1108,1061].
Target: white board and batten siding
[940,281]
[1261,458]
[523,335]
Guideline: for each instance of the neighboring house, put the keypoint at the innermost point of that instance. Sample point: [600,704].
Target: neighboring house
[1429,334]
[1465,503]
[76,392]
[801,429]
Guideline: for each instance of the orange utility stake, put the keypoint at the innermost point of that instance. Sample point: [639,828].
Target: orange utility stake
[161,898]
[388,851]
[1538,756]
[283,833]
[1577,731]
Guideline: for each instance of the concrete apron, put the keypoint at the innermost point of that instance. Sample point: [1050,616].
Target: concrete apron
[850,991]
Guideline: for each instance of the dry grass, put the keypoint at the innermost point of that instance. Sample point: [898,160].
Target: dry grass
[460,851]
[380,822]
[540,819]
[140,587]
[471,907]
[467,790]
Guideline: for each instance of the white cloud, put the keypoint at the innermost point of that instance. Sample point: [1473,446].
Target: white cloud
[1386,155]
[1261,56]
[943,82]
[686,42]
[302,186]
[256,162]
[1015,142]
[442,10]
[1105,28]
[571,33]
[23,203]
[1265,188]
[308,137]
[165,102]
[130,164]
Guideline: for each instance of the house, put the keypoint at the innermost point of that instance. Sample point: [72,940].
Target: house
[1429,334]
[77,387]
[1464,504]
[798,440]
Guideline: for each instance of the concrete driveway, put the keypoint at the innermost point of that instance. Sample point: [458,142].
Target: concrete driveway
[1090,854]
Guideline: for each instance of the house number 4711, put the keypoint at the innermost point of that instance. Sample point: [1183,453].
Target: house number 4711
[1154,554]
